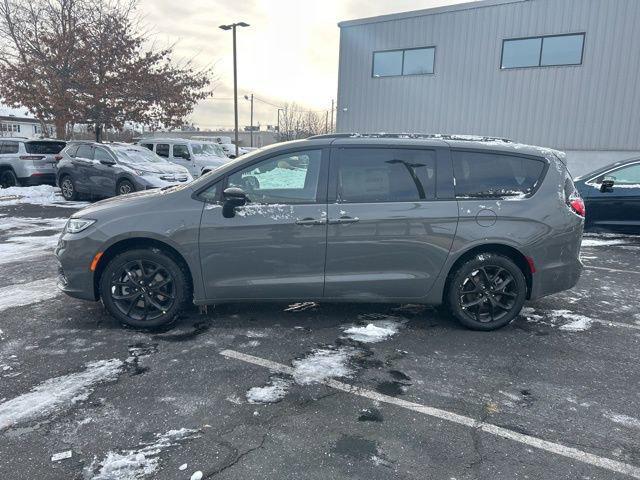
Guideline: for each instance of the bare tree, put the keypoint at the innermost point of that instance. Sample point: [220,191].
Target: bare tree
[296,123]
[81,61]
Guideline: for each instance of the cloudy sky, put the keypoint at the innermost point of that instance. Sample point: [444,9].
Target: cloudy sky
[288,54]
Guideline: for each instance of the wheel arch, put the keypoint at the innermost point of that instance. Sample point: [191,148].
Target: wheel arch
[508,251]
[131,243]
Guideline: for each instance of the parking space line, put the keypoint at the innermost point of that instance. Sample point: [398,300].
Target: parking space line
[535,442]
[617,270]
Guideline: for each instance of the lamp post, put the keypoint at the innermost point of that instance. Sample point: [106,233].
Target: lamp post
[246,97]
[235,75]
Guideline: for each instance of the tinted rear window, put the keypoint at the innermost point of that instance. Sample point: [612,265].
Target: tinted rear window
[44,148]
[490,175]
[369,175]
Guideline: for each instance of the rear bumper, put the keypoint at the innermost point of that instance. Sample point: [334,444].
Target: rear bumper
[39,179]
[555,278]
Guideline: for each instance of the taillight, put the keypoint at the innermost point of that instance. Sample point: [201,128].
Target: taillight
[57,158]
[577,205]
[31,157]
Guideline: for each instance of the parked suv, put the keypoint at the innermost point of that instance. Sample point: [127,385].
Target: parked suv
[28,162]
[481,225]
[197,157]
[105,170]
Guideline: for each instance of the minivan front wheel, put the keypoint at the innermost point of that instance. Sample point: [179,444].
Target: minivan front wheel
[144,288]
[487,292]
[68,189]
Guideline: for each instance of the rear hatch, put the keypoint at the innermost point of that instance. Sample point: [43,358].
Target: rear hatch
[44,153]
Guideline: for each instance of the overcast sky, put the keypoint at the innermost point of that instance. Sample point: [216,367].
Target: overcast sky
[288,54]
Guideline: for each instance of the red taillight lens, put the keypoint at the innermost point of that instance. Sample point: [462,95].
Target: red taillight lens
[577,205]
[31,157]
[57,158]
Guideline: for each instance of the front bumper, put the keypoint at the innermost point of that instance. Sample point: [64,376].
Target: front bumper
[75,277]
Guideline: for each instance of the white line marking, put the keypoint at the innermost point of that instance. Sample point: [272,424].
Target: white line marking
[612,269]
[615,324]
[569,452]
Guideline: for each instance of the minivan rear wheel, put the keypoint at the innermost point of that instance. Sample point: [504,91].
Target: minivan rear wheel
[144,288]
[487,292]
[8,179]
[68,189]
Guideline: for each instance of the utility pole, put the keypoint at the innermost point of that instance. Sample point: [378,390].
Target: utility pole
[235,76]
[332,115]
[279,133]
[326,122]
[251,127]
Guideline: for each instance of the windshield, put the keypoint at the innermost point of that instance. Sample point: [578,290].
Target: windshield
[136,155]
[207,149]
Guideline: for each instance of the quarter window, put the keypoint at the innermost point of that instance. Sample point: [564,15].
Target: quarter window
[544,51]
[491,175]
[289,179]
[413,61]
[10,147]
[373,175]
[162,150]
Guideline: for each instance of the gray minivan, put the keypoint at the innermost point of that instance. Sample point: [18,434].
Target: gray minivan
[478,224]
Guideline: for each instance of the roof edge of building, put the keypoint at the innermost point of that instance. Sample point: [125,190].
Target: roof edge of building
[458,7]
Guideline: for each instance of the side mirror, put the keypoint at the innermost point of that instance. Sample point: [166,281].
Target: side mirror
[107,162]
[233,197]
[607,185]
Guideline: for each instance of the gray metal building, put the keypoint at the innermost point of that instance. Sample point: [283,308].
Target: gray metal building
[557,73]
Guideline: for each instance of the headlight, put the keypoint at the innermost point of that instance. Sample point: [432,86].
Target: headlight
[143,173]
[76,225]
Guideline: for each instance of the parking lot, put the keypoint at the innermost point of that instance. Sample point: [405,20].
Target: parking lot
[254,391]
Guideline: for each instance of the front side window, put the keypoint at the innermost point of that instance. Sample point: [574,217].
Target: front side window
[181,151]
[373,175]
[544,51]
[287,179]
[412,61]
[102,154]
[626,176]
[85,151]
[147,145]
[492,175]
[162,150]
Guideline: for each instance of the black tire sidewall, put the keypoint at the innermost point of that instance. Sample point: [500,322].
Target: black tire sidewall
[469,266]
[154,255]
[11,174]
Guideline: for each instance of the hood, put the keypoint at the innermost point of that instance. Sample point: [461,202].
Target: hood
[158,168]
[212,159]
[135,200]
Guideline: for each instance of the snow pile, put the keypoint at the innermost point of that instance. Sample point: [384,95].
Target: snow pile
[135,464]
[375,331]
[57,394]
[28,293]
[602,241]
[578,323]
[38,195]
[322,364]
[273,392]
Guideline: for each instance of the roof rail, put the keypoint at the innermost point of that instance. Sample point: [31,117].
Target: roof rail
[415,136]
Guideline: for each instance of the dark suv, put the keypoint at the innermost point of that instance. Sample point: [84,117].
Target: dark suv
[479,224]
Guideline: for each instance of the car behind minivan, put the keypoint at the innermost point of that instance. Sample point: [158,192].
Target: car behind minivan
[198,157]
[480,225]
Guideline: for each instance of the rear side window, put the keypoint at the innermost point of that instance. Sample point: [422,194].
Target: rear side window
[372,175]
[492,175]
[9,147]
[162,150]
[44,148]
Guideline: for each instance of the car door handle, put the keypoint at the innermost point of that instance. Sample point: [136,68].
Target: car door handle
[311,221]
[343,220]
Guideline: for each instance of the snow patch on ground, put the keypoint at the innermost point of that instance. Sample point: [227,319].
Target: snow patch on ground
[21,248]
[375,331]
[28,293]
[135,464]
[37,195]
[273,392]
[57,394]
[554,318]
[322,364]
[625,420]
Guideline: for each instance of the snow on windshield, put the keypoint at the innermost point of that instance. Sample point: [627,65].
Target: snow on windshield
[137,155]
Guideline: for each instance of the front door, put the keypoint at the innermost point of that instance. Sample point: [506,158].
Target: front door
[274,247]
[616,208]
[388,235]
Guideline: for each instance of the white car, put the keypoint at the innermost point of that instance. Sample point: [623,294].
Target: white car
[197,157]
[230,150]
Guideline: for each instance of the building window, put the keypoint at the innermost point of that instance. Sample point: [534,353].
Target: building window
[546,51]
[9,127]
[411,61]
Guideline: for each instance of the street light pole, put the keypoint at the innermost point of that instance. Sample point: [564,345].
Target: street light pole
[235,76]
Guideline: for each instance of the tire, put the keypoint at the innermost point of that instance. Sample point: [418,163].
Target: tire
[8,179]
[68,188]
[486,292]
[124,187]
[157,302]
